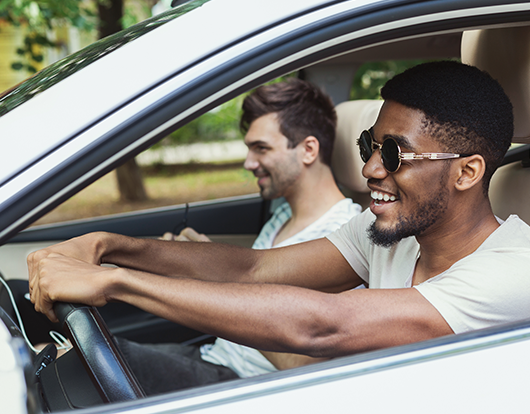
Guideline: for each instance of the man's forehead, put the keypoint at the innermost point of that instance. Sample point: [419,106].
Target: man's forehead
[265,129]
[404,124]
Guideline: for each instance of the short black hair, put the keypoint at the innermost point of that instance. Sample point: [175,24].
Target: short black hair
[466,110]
[303,110]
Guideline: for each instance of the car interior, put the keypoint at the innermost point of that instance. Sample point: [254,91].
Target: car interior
[239,220]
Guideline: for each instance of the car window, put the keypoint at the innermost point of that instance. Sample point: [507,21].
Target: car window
[77,61]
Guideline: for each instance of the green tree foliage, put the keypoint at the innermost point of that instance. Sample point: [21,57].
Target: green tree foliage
[39,18]
[219,124]
[370,77]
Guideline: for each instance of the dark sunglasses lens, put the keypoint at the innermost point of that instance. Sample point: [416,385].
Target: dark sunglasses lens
[365,146]
[390,155]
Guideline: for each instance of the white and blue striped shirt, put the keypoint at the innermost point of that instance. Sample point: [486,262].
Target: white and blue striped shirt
[245,361]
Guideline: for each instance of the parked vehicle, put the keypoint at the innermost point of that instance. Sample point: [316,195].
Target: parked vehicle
[85,115]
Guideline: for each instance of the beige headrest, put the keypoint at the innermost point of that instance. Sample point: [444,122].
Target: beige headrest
[352,118]
[505,55]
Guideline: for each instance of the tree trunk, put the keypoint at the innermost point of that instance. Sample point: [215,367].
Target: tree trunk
[129,175]
[110,14]
[130,182]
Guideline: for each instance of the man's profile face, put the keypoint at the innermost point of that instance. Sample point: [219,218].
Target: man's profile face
[276,166]
[414,198]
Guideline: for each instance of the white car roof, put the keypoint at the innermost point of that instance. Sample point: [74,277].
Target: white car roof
[75,103]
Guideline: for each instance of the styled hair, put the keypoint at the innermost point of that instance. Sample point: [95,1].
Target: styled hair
[303,110]
[465,109]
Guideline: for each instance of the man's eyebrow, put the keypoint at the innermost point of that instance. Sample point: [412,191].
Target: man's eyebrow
[256,142]
[401,140]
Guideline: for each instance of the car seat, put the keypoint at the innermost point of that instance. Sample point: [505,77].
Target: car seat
[352,118]
[505,55]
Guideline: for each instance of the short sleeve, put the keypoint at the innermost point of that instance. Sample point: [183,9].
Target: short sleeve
[351,240]
[482,290]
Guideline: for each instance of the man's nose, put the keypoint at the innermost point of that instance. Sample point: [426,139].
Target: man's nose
[251,163]
[374,167]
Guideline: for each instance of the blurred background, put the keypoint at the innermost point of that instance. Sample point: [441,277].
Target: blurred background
[200,161]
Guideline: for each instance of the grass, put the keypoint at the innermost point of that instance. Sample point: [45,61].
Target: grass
[165,186]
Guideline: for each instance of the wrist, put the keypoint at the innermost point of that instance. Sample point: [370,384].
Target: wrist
[115,278]
[105,244]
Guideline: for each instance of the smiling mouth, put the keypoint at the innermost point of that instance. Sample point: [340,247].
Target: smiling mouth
[380,197]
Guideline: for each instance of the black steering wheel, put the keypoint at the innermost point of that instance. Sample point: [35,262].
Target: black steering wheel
[98,352]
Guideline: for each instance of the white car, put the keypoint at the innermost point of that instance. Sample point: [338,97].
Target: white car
[85,115]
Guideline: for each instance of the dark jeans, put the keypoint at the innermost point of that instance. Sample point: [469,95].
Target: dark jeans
[163,368]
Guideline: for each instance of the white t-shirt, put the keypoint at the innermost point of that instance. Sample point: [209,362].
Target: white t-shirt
[246,361]
[486,288]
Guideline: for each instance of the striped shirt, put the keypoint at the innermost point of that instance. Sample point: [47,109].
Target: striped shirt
[245,361]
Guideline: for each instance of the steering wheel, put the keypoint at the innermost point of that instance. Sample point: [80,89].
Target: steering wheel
[98,352]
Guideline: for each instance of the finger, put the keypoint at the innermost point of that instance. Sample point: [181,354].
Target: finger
[192,235]
[203,238]
[43,305]
[181,237]
[50,313]
[167,236]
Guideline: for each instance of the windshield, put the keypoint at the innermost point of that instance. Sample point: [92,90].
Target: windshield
[76,61]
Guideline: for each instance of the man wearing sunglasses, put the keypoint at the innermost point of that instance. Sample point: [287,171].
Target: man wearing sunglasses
[436,259]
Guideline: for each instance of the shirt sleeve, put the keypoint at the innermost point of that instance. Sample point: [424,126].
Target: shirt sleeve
[351,240]
[485,289]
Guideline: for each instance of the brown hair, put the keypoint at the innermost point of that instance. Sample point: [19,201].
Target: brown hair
[303,110]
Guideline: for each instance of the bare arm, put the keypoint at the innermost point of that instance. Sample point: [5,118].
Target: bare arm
[212,261]
[284,360]
[319,324]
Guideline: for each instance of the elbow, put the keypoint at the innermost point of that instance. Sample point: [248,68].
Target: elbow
[320,336]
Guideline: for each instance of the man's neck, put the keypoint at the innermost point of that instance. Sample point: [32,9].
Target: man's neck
[452,241]
[311,199]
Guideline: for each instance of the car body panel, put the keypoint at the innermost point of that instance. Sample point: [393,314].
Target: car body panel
[410,377]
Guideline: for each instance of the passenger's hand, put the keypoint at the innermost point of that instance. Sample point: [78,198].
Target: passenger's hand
[188,234]
[57,277]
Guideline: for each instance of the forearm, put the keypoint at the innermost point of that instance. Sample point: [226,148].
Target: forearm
[214,262]
[268,316]
[283,360]
[315,265]
[250,314]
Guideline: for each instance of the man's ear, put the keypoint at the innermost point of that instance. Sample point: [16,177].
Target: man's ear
[311,148]
[470,172]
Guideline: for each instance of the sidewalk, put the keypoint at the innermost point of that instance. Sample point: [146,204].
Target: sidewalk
[199,152]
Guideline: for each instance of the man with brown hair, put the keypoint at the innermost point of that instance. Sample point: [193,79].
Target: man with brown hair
[289,130]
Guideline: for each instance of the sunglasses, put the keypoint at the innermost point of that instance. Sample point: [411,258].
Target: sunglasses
[391,154]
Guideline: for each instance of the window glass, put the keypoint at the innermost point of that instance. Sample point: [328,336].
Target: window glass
[76,61]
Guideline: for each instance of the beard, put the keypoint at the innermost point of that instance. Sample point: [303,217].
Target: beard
[280,180]
[425,215]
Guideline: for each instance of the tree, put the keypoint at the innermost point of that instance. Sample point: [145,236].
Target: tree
[129,175]
[39,18]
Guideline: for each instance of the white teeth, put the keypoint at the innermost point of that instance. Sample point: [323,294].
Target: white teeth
[380,196]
